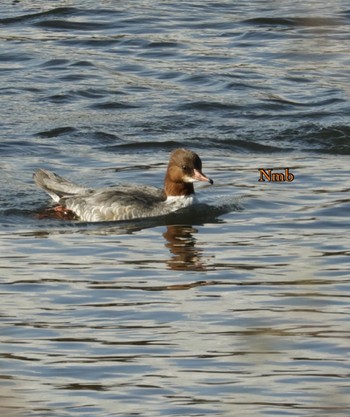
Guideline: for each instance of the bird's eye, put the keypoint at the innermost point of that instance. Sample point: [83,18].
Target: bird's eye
[185,167]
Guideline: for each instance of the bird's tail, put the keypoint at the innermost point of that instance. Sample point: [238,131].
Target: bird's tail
[56,186]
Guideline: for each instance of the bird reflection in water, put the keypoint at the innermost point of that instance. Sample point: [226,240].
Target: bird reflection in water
[186,256]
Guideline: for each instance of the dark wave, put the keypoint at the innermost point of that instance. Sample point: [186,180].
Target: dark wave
[311,21]
[60,24]
[113,105]
[208,106]
[57,132]
[307,138]
[319,139]
[166,146]
[33,17]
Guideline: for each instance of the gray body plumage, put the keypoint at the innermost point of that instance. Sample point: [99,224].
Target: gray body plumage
[123,202]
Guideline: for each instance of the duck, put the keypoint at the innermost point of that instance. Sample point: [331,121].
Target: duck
[127,202]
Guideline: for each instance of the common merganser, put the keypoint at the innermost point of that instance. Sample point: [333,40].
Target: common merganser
[127,202]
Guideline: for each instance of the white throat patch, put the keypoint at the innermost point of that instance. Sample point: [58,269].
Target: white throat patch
[181,201]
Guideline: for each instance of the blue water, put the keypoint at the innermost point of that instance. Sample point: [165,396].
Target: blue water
[237,307]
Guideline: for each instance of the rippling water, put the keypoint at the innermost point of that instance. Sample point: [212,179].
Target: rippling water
[237,307]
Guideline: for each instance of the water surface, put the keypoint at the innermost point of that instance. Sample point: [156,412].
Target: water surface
[237,307]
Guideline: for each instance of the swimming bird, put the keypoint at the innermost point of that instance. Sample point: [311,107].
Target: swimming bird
[125,202]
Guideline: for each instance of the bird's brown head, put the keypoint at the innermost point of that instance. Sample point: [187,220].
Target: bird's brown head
[184,168]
